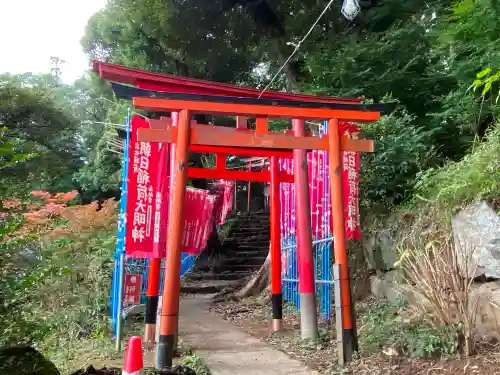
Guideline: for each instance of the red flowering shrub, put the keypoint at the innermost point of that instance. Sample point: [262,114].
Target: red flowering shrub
[40,216]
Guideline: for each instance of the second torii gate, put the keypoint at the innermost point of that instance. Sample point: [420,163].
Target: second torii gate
[186,137]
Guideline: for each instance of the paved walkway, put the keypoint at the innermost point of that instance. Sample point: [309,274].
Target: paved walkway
[226,349]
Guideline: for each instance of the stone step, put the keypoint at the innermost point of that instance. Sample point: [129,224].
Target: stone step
[254,245]
[225,276]
[239,267]
[254,239]
[206,287]
[242,238]
[251,224]
[250,232]
[257,261]
[245,239]
[252,254]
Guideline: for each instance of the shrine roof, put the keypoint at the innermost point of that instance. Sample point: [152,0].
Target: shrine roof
[175,84]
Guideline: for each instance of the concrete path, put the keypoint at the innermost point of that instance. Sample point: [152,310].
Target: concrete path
[226,349]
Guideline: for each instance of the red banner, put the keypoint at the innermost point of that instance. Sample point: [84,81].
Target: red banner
[147,192]
[350,185]
[198,220]
[132,289]
[140,196]
[208,218]
[319,192]
[162,202]
[224,190]
[193,215]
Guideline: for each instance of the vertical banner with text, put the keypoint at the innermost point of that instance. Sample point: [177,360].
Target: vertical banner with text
[350,184]
[147,203]
[132,289]
[319,191]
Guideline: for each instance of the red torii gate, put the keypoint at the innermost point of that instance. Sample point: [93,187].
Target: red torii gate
[191,137]
[183,136]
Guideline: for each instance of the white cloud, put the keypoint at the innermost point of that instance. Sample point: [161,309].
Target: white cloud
[31,31]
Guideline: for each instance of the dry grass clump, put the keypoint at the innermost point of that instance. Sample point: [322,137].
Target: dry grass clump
[437,272]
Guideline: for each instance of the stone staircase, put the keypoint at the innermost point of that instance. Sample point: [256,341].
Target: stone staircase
[242,252]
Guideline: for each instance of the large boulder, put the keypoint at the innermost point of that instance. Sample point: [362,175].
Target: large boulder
[476,233]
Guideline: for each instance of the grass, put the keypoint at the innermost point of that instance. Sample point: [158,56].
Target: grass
[476,176]
[196,363]
[395,329]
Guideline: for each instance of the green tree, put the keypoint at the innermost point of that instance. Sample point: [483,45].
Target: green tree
[467,43]
[38,124]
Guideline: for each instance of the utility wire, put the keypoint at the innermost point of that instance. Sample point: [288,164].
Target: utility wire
[297,47]
[121,126]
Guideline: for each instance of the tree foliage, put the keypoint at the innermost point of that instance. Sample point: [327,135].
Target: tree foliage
[424,54]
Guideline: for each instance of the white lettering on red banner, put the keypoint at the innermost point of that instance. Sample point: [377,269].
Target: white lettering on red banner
[146,189]
[132,289]
[148,201]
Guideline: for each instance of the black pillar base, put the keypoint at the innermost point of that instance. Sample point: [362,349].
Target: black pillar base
[151,308]
[165,352]
[277,305]
[350,343]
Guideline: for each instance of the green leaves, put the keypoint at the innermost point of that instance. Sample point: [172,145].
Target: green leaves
[8,156]
[486,80]
[483,73]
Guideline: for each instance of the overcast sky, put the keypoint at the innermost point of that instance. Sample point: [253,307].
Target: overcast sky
[31,31]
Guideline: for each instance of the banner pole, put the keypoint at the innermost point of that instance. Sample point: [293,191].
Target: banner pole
[120,304]
[121,240]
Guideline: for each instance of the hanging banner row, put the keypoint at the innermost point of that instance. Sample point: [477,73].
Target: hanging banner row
[148,195]
[148,198]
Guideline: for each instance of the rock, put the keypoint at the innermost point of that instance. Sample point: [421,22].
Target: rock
[487,297]
[25,361]
[380,250]
[387,286]
[476,233]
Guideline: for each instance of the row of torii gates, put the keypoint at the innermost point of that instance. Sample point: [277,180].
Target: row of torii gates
[183,98]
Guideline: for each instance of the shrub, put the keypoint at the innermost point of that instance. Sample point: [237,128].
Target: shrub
[402,151]
[476,176]
[435,269]
[63,294]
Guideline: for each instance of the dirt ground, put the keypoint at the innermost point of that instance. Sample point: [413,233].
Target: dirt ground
[255,319]
[177,370]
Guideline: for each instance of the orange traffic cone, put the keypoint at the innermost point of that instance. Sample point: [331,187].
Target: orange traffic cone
[133,364]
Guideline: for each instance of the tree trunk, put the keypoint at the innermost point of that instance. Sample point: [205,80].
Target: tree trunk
[258,282]
[291,77]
